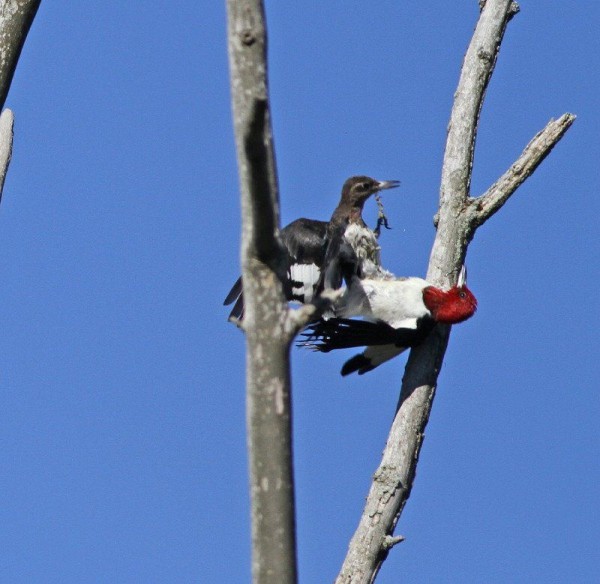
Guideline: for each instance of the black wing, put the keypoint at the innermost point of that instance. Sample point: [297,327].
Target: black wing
[305,241]
[383,341]
[340,262]
[344,333]
[234,293]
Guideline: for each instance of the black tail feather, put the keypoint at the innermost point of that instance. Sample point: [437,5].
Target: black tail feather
[345,333]
[237,312]
[234,293]
[358,363]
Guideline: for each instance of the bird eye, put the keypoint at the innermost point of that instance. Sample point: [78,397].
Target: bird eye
[365,186]
[462,294]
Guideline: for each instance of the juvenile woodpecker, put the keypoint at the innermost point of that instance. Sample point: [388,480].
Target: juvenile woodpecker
[404,310]
[322,254]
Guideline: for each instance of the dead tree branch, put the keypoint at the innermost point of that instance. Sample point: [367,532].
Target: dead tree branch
[268,403]
[482,208]
[7,122]
[16,17]
[457,219]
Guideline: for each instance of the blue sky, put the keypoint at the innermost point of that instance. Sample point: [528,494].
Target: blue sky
[122,430]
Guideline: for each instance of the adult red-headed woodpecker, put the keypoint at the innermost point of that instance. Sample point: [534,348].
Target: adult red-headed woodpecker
[405,311]
[321,254]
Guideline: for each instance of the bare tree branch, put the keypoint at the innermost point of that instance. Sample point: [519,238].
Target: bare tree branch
[477,69]
[267,338]
[16,17]
[540,146]
[457,220]
[7,121]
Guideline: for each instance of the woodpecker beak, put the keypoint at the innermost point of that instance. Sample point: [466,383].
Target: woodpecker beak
[387,184]
[462,277]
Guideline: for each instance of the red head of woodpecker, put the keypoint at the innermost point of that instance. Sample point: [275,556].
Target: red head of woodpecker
[451,306]
[405,311]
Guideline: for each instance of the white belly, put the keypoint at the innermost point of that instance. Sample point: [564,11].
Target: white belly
[398,302]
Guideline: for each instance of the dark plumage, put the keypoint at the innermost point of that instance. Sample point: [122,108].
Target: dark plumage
[322,254]
[385,340]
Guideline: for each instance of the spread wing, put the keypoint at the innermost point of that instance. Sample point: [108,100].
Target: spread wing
[305,241]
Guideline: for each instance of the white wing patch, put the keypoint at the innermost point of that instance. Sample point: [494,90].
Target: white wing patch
[306,276]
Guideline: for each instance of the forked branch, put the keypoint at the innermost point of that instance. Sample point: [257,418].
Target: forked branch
[482,208]
[458,217]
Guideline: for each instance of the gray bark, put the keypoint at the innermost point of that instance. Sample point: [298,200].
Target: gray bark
[265,322]
[458,218]
[16,17]
[6,142]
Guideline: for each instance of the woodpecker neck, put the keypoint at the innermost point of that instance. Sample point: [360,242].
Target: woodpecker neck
[452,306]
